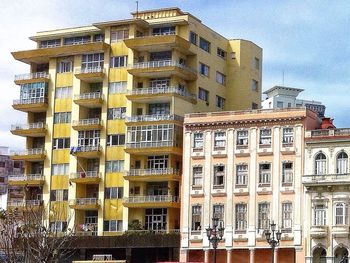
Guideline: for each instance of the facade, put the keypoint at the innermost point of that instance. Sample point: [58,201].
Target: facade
[245,168]
[327,182]
[286,97]
[105,107]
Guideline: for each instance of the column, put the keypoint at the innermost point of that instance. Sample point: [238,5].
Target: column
[300,255]
[275,255]
[229,189]
[251,255]
[206,256]
[252,187]
[228,255]
[183,255]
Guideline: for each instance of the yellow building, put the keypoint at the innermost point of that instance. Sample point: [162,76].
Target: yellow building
[105,107]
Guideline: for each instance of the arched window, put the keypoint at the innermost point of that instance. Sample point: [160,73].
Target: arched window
[342,163]
[320,164]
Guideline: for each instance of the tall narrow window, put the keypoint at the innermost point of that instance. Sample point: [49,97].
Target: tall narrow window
[241,218]
[242,139]
[219,139]
[119,34]
[264,174]
[204,44]
[320,164]
[288,136]
[198,140]
[193,38]
[287,216]
[196,218]
[265,137]
[341,214]
[219,177]
[203,94]
[197,176]
[219,212]
[320,215]
[241,175]
[287,174]
[263,216]
[342,163]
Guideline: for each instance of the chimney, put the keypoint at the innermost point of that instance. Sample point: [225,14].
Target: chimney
[327,123]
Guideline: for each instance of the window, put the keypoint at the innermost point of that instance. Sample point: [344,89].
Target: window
[115,166]
[288,136]
[116,113]
[112,225]
[166,30]
[117,87]
[159,83]
[159,108]
[263,216]
[287,216]
[58,226]
[62,117]
[203,69]
[241,175]
[113,192]
[203,94]
[341,214]
[160,56]
[115,139]
[76,40]
[280,104]
[220,78]
[91,61]
[319,215]
[320,164]
[89,138]
[265,137]
[204,44]
[63,93]
[221,53]
[220,102]
[61,143]
[264,174]
[198,140]
[60,169]
[99,38]
[197,176]
[50,43]
[59,195]
[153,133]
[219,139]
[342,163]
[64,66]
[241,217]
[256,63]
[37,90]
[196,218]
[289,105]
[255,85]
[193,38]
[242,139]
[118,62]
[219,212]
[254,106]
[157,161]
[219,175]
[118,35]
[287,174]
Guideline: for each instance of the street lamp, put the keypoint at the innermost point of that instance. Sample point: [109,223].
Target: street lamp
[215,234]
[273,237]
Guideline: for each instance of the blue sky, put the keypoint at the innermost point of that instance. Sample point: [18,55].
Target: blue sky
[307,40]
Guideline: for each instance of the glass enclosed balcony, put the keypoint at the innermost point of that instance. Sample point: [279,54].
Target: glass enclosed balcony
[159,118]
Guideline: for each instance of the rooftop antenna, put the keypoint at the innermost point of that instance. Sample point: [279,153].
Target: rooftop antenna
[137,9]
[282,77]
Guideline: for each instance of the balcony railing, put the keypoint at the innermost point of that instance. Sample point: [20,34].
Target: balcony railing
[25,177]
[82,122]
[35,151]
[160,64]
[85,201]
[152,199]
[162,90]
[28,126]
[164,33]
[326,178]
[86,148]
[86,174]
[30,101]
[155,117]
[146,172]
[22,203]
[106,257]
[88,96]
[151,144]
[89,70]
[327,133]
[36,75]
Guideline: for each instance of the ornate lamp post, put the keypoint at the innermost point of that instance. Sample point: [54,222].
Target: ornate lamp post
[273,237]
[215,234]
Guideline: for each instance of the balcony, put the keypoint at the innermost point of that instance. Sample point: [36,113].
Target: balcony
[25,204]
[158,118]
[87,177]
[87,124]
[162,69]
[37,129]
[26,180]
[153,175]
[89,100]
[162,147]
[318,231]
[152,201]
[32,77]
[159,43]
[340,230]
[85,203]
[326,179]
[159,94]
[30,155]
[89,152]
[31,105]
[43,55]
[95,74]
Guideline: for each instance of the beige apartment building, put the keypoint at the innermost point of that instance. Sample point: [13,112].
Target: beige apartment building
[244,167]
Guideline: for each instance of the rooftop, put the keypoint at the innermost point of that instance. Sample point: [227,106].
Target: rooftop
[282,90]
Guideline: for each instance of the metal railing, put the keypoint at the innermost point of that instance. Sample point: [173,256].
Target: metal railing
[88,96]
[86,148]
[152,199]
[156,231]
[86,174]
[89,70]
[155,117]
[162,90]
[35,75]
[34,151]
[314,178]
[160,64]
[30,101]
[28,126]
[92,121]
[152,144]
[21,203]
[85,201]
[146,172]
[164,33]
[106,257]
[25,177]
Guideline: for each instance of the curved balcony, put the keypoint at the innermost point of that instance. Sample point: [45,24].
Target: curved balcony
[87,124]
[159,94]
[152,201]
[319,231]
[89,100]
[87,177]
[159,118]
[88,152]
[94,74]
[326,179]
[30,155]
[153,175]
[162,69]
[340,230]
[32,77]
[85,203]
[37,129]
[163,147]
[31,105]
[25,204]
[26,179]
